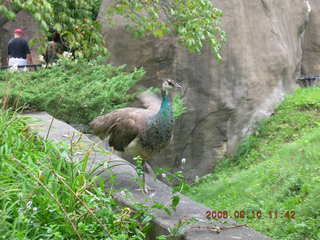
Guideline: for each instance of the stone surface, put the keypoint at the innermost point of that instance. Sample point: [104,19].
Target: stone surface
[262,60]
[28,24]
[49,128]
[311,45]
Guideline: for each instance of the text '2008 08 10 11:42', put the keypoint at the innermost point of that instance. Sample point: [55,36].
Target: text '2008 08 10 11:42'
[258,214]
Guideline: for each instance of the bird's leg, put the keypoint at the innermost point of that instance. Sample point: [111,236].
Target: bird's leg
[141,168]
[146,189]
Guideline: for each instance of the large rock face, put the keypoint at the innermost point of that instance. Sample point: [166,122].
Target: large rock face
[311,45]
[28,24]
[262,59]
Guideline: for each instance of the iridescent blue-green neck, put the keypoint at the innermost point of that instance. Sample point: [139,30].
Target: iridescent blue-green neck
[166,106]
[159,127]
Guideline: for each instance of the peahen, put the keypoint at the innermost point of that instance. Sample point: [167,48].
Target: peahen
[140,131]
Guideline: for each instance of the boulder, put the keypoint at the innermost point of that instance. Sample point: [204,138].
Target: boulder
[261,60]
[311,44]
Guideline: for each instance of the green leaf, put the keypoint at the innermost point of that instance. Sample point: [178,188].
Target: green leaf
[175,199]
[58,27]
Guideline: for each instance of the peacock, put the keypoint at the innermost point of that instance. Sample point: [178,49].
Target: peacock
[140,131]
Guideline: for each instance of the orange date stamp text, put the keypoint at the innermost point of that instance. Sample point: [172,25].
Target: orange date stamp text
[256,214]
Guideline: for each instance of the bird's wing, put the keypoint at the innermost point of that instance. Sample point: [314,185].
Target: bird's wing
[150,101]
[122,126]
[122,132]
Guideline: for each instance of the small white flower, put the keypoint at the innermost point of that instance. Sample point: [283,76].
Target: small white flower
[164,175]
[35,209]
[152,195]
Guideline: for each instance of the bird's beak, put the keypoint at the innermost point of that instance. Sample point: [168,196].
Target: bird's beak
[178,85]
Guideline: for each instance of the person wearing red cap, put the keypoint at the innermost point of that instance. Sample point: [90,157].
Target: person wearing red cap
[18,50]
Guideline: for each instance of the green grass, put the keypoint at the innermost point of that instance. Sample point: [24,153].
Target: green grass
[275,169]
[45,196]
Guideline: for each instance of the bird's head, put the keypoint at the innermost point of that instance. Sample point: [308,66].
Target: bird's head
[169,84]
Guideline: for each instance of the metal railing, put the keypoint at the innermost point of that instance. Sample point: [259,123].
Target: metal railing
[307,81]
[35,66]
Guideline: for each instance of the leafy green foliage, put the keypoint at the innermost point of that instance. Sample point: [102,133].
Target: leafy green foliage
[179,107]
[7,11]
[276,171]
[47,196]
[74,20]
[73,90]
[194,22]
[177,182]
